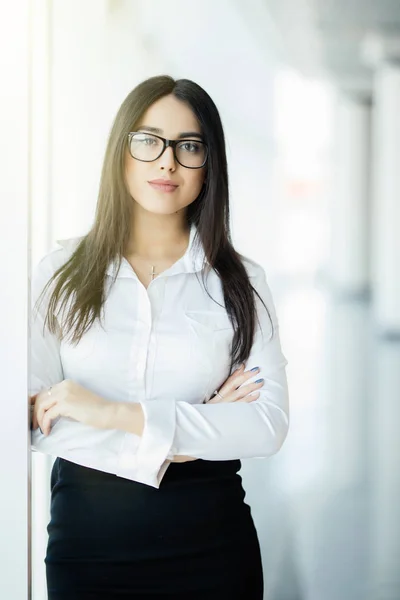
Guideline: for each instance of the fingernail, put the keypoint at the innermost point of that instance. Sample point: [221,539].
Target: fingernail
[254,369]
[259,380]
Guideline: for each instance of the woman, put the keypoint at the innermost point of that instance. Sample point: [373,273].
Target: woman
[137,328]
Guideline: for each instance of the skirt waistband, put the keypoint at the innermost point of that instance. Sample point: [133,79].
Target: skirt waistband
[189,472]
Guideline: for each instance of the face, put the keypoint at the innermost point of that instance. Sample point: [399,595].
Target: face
[169,118]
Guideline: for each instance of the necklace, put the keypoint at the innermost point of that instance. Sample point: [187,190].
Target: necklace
[152,273]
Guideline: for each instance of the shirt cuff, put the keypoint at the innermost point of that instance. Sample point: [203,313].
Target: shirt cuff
[145,458]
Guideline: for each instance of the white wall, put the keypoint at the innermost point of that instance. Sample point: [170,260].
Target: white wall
[98,57]
[14,152]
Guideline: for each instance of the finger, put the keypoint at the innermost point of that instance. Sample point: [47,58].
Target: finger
[242,375]
[250,397]
[234,382]
[45,405]
[49,415]
[247,388]
[217,399]
[245,395]
[247,375]
[236,372]
[34,421]
[212,400]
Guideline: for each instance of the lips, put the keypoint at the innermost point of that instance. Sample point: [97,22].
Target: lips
[164,182]
[163,185]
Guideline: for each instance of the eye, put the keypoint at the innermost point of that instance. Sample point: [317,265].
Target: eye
[191,147]
[148,141]
[145,140]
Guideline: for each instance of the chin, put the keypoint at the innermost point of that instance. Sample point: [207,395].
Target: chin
[161,210]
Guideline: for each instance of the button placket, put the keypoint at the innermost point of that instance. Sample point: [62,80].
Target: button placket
[156,292]
[144,313]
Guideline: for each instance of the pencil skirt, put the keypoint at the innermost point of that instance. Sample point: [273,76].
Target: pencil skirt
[193,538]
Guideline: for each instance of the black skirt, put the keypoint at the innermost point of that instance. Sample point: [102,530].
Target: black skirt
[191,539]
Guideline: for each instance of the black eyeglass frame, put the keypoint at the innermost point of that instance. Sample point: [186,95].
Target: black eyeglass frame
[167,143]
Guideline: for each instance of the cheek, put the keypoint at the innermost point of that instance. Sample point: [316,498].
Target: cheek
[194,184]
[135,177]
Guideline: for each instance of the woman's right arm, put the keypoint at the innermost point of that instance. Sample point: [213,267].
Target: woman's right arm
[82,444]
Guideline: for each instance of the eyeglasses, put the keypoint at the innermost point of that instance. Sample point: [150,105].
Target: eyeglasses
[147,147]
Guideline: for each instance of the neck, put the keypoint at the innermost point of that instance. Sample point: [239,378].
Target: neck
[157,238]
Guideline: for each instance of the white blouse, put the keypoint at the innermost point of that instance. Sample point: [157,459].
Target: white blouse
[168,348]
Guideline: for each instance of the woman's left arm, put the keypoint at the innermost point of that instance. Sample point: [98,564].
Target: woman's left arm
[228,430]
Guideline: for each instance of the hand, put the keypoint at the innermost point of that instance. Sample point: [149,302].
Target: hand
[179,459]
[231,393]
[69,399]
[231,390]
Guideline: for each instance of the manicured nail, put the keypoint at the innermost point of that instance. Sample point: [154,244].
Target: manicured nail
[254,369]
[259,380]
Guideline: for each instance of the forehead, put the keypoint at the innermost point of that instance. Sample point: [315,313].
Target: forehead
[170,115]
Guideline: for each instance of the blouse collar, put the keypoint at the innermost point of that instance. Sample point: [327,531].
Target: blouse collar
[191,262]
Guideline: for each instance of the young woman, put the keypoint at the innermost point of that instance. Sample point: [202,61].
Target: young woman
[156,366]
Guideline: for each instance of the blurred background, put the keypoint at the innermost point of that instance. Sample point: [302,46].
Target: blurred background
[309,95]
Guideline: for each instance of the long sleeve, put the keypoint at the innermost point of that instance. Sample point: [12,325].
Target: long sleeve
[111,450]
[226,431]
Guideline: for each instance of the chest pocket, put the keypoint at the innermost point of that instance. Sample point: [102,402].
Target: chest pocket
[209,320]
[215,331]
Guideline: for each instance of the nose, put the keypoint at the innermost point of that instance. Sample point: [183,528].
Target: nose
[167,159]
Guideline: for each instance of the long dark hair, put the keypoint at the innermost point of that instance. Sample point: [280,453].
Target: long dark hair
[81,279]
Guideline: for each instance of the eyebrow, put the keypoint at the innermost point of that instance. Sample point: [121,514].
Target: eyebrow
[183,135]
